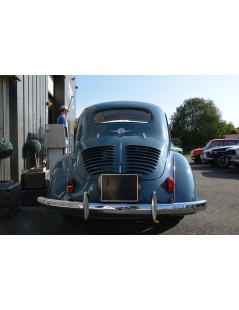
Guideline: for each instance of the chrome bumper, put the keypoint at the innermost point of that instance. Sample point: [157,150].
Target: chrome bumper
[100,210]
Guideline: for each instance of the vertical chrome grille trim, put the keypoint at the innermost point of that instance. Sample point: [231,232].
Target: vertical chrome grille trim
[120,156]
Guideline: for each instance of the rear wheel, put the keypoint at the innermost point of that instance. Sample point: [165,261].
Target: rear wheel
[71,218]
[221,161]
[198,160]
[174,218]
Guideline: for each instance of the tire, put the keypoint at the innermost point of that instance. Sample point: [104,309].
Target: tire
[198,160]
[174,219]
[71,218]
[221,161]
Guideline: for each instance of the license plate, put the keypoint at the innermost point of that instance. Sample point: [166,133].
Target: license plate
[119,187]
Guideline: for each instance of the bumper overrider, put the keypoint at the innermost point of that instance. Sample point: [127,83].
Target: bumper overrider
[122,210]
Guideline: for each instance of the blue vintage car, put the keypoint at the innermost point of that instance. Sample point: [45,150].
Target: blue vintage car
[123,167]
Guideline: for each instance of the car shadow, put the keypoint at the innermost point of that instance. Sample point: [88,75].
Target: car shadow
[36,221]
[217,173]
[118,227]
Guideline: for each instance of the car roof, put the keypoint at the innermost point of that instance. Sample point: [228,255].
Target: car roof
[225,139]
[123,104]
[157,127]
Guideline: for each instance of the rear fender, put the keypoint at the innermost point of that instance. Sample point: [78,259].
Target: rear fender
[60,176]
[185,186]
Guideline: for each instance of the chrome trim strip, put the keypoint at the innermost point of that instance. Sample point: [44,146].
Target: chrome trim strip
[120,156]
[132,209]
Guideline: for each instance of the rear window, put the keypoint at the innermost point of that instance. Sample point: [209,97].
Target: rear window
[122,115]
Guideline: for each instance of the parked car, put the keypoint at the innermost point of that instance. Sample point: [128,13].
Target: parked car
[197,154]
[123,167]
[176,148]
[217,156]
[233,155]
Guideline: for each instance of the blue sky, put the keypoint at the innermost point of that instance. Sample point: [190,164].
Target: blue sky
[168,91]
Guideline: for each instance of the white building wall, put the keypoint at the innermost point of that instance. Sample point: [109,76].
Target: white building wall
[4,124]
[24,115]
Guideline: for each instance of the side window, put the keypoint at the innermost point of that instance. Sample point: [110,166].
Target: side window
[215,144]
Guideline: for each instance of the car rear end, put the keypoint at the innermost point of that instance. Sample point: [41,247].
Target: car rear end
[123,169]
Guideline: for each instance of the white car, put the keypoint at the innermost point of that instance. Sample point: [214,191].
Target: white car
[233,155]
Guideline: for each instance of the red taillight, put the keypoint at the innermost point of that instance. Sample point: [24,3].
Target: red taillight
[70,186]
[170,184]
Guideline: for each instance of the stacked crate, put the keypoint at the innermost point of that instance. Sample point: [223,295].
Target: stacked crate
[10,198]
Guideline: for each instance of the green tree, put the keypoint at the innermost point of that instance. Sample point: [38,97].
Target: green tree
[34,146]
[197,121]
[229,128]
